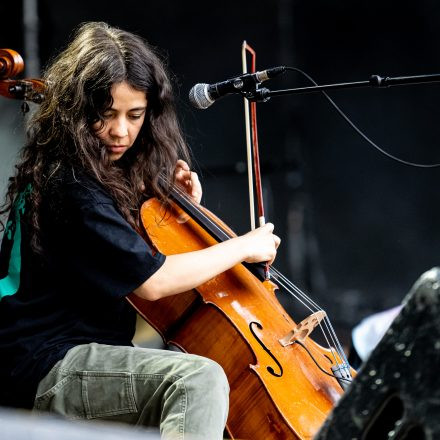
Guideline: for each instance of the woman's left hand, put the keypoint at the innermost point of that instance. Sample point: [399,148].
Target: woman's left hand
[188,180]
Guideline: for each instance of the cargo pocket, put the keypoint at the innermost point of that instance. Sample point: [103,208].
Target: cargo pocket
[107,394]
[64,397]
[89,395]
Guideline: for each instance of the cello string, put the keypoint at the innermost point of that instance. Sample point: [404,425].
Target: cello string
[313,306]
[332,334]
[282,283]
[332,347]
[205,218]
[336,347]
[297,297]
[327,321]
[279,275]
[299,292]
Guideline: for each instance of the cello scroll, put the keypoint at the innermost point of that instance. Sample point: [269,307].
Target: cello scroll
[11,65]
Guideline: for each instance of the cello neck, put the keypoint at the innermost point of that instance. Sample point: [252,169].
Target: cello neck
[214,228]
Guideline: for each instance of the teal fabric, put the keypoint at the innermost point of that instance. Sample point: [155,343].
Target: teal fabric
[11,282]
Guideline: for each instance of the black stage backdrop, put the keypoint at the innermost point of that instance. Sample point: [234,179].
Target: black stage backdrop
[357,228]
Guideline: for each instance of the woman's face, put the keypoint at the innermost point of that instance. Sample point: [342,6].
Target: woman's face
[123,120]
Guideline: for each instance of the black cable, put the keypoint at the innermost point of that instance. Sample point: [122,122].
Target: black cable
[319,366]
[363,135]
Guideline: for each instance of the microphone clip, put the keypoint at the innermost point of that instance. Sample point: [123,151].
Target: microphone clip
[257,94]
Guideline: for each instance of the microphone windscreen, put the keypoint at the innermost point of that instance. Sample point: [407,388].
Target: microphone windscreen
[199,96]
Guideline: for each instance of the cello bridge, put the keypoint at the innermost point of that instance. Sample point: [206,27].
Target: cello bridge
[303,329]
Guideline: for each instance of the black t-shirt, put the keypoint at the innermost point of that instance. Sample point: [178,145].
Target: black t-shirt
[72,295]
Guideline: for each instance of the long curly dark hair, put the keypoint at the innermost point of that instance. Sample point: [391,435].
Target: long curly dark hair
[78,91]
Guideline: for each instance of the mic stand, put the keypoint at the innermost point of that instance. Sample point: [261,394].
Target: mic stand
[264,94]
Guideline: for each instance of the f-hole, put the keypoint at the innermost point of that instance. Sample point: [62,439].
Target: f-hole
[269,369]
[388,423]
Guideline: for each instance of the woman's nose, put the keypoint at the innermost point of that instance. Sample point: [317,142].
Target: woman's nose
[118,128]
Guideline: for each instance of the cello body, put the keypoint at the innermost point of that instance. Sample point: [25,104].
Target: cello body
[236,320]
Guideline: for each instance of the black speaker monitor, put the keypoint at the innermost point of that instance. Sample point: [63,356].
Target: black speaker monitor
[396,394]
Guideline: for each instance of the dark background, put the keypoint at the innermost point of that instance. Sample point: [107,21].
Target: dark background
[357,228]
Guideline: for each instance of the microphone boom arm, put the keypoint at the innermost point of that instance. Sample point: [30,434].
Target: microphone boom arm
[264,94]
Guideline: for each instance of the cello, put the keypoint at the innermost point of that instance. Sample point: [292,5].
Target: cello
[283,384]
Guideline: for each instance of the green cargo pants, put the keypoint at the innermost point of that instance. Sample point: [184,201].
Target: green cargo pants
[185,396]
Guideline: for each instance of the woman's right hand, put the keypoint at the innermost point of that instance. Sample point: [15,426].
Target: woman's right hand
[260,245]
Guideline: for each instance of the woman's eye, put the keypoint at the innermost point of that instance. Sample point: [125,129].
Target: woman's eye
[136,116]
[107,115]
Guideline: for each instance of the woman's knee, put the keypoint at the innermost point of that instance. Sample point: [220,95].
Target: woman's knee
[210,374]
[215,374]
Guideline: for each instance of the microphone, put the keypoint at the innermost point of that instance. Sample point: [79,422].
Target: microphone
[202,96]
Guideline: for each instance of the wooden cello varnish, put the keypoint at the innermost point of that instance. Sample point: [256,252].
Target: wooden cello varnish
[221,320]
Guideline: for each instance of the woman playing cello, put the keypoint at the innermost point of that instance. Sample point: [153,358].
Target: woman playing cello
[71,249]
